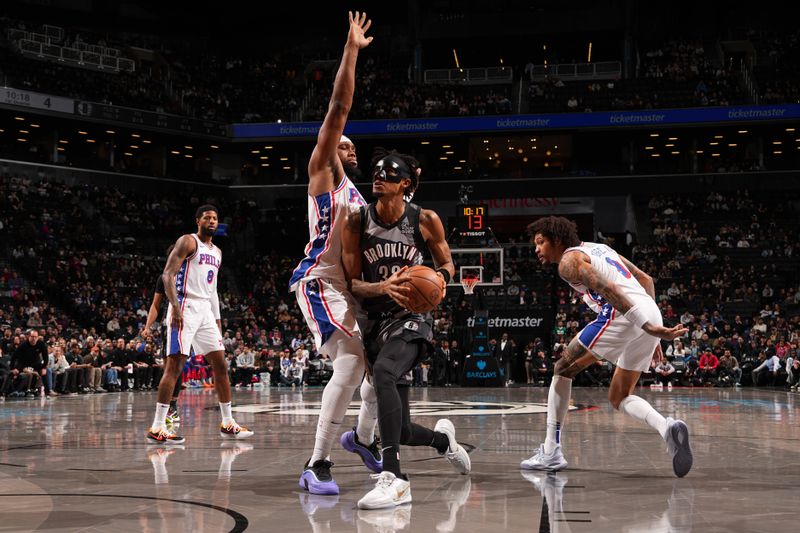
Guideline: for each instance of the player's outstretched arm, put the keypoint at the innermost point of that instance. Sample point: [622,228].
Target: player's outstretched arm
[324,166]
[433,233]
[577,268]
[185,247]
[644,279]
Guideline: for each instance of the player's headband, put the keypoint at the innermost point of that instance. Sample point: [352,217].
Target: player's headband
[391,161]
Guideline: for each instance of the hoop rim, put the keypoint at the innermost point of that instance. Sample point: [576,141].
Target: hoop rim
[469,284]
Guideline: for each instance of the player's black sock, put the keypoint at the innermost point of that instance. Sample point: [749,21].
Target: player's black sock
[440,442]
[173,404]
[391,459]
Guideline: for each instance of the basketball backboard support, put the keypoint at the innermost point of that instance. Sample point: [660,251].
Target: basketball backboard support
[486,263]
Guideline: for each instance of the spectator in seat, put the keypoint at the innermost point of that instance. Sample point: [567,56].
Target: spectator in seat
[729,370]
[766,365]
[665,373]
[245,367]
[708,367]
[30,360]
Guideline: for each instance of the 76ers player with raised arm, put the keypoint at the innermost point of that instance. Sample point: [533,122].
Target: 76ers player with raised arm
[190,282]
[319,283]
[626,332]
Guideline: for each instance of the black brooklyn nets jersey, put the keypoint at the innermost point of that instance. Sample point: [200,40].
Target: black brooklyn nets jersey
[385,249]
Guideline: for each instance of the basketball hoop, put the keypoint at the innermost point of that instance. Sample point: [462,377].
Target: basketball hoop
[469,284]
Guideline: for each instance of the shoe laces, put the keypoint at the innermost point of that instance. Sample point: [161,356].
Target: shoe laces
[384,479]
[236,428]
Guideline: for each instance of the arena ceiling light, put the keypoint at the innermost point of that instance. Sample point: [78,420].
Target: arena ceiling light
[669,145]
[135,135]
[286,168]
[446,146]
[649,147]
[80,132]
[90,140]
[188,156]
[675,153]
[789,129]
[699,152]
[24,131]
[264,164]
[37,126]
[112,132]
[175,152]
[264,157]
[214,147]
[732,145]
[60,149]
[742,131]
[188,147]
[63,141]
[713,143]
[718,136]
[777,152]
[128,153]
[135,147]
[655,135]
[265,148]
[255,151]
[672,139]
[284,158]
[146,141]
[777,142]
[19,118]
[424,142]
[22,140]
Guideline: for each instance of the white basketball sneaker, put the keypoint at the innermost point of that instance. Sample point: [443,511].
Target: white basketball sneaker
[678,446]
[455,453]
[389,491]
[552,462]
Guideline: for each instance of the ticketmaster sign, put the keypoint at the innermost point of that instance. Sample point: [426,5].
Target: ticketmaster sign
[521,325]
[605,119]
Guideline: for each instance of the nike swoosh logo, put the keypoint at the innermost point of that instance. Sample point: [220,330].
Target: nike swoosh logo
[401,493]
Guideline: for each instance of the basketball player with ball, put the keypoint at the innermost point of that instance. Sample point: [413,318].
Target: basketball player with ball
[382,252]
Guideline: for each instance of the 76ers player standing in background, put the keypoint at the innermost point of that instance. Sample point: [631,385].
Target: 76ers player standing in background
[320,285]
[190,282]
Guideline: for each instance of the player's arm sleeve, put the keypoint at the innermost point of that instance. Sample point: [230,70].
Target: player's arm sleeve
[215,305]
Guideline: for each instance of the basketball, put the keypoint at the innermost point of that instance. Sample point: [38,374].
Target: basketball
[426,289]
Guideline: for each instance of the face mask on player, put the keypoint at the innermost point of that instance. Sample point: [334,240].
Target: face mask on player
[401,170]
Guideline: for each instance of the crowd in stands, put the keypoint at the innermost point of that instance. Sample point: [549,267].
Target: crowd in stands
[673,74]
[192,80]
[725,265]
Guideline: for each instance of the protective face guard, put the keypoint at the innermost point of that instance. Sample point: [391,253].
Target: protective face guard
[401,170]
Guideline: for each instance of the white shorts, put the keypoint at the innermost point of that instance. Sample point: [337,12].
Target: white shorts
[199,331]
[613,338]
[327,306]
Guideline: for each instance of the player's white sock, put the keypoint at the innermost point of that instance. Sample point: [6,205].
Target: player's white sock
[161,415]
[348,371]
[225,410]
[639,409]
[368,415]
[557,407]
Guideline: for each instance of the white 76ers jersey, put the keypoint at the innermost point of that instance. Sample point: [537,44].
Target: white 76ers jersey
[608,265]
[326,214]
[197,277]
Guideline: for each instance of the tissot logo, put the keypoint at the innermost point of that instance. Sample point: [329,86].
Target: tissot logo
[421,408]
[516,322]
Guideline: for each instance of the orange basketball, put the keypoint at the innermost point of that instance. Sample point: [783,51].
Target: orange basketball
[426,290]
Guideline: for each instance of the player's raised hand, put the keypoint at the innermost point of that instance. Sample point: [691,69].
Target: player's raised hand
[358,27]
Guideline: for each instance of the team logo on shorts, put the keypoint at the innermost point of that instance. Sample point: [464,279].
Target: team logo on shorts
[411,325]
[418,408]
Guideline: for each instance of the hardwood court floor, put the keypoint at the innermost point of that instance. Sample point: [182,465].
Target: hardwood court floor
[80,463]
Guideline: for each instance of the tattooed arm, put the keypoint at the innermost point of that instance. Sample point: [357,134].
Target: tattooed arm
[577,268]
[644,279]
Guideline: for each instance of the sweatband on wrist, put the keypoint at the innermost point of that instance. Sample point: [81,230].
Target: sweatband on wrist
[636,316]
[445,274]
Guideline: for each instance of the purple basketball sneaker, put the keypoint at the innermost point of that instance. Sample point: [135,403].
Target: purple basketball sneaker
[371,455]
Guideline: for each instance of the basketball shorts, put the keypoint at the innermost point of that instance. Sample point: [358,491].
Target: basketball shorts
[613,338]
[327,306]
[199,330]
[410,327]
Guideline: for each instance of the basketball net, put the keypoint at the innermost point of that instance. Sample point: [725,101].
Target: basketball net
[469,284]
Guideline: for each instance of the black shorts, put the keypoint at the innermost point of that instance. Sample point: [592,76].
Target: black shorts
[412,327]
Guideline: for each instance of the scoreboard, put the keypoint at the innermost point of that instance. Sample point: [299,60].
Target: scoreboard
[472,217]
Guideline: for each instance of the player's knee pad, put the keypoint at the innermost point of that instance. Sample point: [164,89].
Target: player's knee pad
[348,365]
[367,392]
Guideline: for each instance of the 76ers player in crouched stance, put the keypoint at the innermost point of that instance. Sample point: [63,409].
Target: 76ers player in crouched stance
[190,282]
[626,332]
[320,287]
